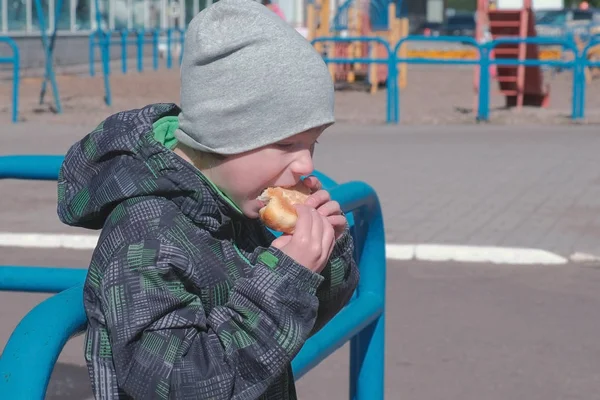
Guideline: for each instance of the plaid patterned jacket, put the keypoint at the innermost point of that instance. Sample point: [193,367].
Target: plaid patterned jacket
[185,298]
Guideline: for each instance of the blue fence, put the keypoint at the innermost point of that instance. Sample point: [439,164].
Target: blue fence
[124,38]
[103,40]
[38,340]
[389,61]
[483,62]
[486,62]
[15,60]
[585,63]
[430,61]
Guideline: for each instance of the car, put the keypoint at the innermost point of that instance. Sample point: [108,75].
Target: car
[460,25]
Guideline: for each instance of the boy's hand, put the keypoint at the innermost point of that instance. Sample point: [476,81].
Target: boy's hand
[321,201]
[311,243]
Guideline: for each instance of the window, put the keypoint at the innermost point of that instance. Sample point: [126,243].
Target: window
[63,21]
[16,15]
[83,14]
[35,21]
[80,15]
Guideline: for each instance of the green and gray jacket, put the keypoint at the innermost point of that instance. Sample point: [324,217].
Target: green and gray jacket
[185,297]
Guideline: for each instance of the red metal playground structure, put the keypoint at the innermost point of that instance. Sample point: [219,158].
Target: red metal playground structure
[521,85]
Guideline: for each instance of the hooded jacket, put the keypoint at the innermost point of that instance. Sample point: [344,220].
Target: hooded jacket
[185,297]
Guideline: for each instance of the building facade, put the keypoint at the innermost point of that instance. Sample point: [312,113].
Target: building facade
[19,17]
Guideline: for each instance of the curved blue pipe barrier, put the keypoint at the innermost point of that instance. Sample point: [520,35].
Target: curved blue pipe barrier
[33,167]
[38,340]
[15,60]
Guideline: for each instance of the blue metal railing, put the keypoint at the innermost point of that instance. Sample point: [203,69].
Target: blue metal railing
[486,62]
[389,61]
[585,63]
[483,62]
[362,321]
[15,60]
[105,39]
[578,63]
[100,38]
[429,61]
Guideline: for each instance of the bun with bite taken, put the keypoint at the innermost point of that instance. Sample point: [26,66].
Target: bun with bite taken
[279,213]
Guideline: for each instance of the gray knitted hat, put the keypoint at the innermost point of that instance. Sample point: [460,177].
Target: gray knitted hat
[248,80]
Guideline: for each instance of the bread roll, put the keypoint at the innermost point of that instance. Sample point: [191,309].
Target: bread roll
[279,213]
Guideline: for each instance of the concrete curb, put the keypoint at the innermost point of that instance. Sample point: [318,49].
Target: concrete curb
[400,252]
[473,254]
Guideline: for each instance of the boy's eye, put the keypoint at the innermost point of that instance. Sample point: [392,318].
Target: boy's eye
[285,145]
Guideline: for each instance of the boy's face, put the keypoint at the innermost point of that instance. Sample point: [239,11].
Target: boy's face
[244,176]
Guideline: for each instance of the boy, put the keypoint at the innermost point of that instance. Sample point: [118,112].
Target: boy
[188,295]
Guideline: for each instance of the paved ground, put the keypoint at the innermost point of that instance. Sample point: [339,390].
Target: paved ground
[454,332]
[522,186]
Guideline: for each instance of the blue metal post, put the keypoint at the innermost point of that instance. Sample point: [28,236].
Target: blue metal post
[392,90]
[578,87]
[48,52]
[483,108]
[155,49]
[169,57]
[15,61]
[104,39]
[140,50]
[181,44]
[105,69]
[124,39]
[16,83]
[92,48]
[582,64]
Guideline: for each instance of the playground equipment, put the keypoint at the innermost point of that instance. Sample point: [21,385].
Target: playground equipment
[520,84]
[15,61]
[356,18]
[29,356]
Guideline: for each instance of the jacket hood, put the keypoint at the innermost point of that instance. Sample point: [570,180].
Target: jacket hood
[121,160]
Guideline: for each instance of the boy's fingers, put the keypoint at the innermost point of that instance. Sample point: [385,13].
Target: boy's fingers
[313,183]
[330,208]
[318,198]
[304,223]
[337,220]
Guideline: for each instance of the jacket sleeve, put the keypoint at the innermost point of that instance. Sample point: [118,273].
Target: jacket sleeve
[166,345]
[340,280]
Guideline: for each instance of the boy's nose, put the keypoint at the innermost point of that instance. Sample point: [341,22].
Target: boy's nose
[303,165]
